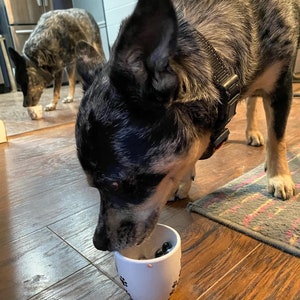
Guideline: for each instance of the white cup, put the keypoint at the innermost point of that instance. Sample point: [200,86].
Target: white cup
[146,277]
[35,112]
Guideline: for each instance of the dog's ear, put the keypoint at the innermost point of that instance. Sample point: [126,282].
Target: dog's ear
[16,57]
[20,72]
[140,60]
[88,60]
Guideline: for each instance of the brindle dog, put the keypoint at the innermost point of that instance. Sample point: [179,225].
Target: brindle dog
[50,49]
[161,101]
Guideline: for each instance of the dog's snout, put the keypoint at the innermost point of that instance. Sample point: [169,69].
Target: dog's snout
[26,102]
[100,239]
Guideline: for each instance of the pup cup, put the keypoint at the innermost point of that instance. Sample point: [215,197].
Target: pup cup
[35,112]
[146,277]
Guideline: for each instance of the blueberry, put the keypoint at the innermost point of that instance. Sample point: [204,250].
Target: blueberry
[159,253]
[166,247]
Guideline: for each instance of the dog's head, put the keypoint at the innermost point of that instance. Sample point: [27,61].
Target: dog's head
[134,140]
[29,78]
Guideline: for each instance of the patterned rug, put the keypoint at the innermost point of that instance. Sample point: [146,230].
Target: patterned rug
[245,205]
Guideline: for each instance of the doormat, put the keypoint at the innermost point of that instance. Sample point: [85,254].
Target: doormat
[245,205]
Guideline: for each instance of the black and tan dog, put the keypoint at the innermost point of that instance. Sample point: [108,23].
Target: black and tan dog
[164,98]
[50,49]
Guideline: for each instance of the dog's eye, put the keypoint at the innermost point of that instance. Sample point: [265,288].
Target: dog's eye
[109,185]
[114,186]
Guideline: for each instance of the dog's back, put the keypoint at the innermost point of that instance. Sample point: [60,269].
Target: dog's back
[50,49]
[54,39]
[258,32]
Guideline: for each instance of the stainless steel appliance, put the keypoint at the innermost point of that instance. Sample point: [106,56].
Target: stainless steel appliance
[23,15]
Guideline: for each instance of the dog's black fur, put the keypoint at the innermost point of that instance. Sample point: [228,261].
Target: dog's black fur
[147,115]
[50,49]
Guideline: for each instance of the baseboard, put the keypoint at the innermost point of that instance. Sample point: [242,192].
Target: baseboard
[3,137]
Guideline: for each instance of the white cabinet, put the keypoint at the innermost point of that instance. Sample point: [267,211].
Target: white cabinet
[115,12]
[108,15]
[95,7]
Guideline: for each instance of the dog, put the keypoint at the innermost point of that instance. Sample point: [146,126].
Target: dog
[49,50]
[164,98]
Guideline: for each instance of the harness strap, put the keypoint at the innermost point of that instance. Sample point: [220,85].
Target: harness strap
[228,85]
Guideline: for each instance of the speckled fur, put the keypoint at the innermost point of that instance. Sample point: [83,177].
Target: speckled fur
[148,114]
[50,49]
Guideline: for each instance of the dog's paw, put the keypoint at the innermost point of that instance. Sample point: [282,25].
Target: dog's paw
[68,100]
[281,186]
[181,193]
[50,107]
[183,189]
[254,138]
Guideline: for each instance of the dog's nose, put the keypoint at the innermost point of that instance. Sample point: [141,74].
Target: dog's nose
[27,101]
[100,239]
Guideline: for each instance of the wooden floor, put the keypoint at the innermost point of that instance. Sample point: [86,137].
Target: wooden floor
[16,118]
[48,215]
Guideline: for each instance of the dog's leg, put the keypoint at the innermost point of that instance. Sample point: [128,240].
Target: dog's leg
[184,187]
[277,108]
[56,92]
[71,70]
[253,135]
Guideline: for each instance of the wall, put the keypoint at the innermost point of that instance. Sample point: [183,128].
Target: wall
[97,11]
[115,12]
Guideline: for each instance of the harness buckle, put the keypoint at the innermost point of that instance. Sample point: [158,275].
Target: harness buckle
[229,97]
[216,143]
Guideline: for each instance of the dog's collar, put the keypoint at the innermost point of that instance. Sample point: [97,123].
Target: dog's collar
[45,74]
[229,88]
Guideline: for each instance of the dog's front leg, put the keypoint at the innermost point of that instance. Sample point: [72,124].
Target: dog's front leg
[71,70]
[277,108]
[185,185]
[56,92]
[253,135]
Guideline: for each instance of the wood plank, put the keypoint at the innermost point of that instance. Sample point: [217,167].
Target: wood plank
[34,263]
[33,213]
[77,230]
[42,182]
[87,283]
[266,273]
[209,252]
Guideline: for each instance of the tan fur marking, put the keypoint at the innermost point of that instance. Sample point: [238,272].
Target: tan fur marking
[267,80]
[279,178]
[176,169]
[253,135]
[72,80]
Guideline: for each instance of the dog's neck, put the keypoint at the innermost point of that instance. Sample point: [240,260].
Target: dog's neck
[215,83]
[41,71]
